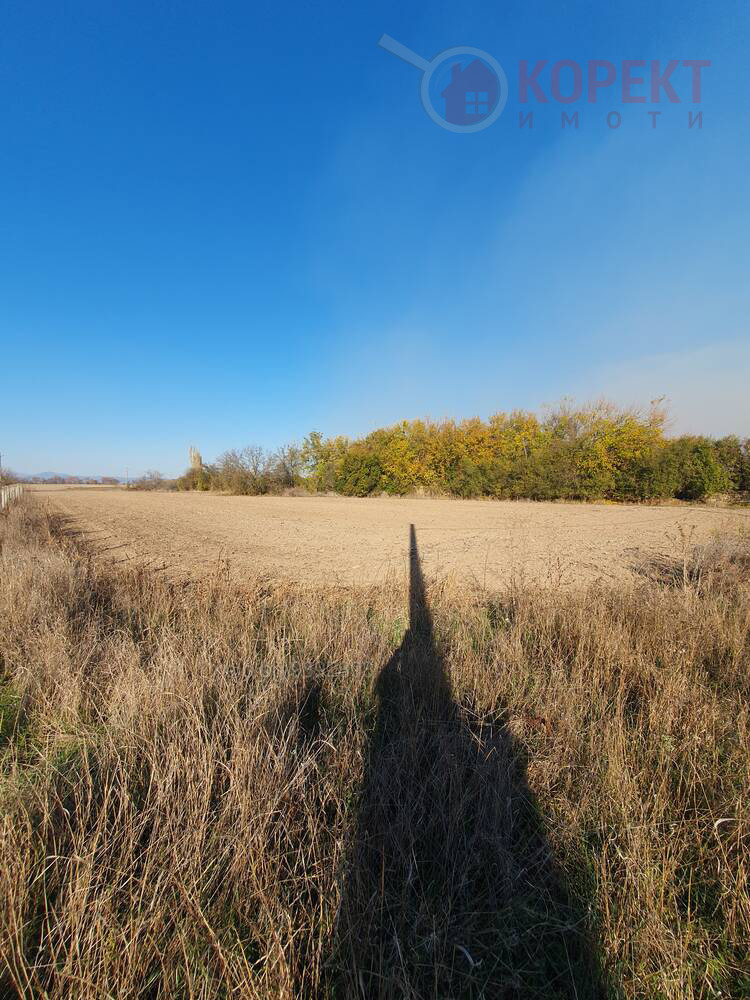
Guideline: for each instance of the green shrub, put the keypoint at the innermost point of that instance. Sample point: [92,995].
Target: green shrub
[734,457]
[360,473]
[466,479]
[690,469]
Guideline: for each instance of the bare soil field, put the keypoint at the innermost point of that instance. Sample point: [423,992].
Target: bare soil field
[343,541]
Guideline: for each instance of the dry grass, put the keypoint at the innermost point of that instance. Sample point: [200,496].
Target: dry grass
[263,791]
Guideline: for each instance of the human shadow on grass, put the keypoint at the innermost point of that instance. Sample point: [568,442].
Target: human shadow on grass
[451,888]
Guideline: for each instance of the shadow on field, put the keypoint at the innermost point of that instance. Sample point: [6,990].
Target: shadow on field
[451,889]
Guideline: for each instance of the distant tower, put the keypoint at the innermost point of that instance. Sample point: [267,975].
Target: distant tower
[196,462]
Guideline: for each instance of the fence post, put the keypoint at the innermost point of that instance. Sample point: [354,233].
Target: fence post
[10,493]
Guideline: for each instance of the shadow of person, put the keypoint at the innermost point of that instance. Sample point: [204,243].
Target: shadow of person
[451,889]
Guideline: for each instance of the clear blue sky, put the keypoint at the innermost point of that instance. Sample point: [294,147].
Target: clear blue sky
[233,223]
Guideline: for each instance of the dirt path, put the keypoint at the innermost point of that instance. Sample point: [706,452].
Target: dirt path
[352,541]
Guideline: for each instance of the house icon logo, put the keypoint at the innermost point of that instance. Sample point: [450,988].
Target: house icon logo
[472,93]
[463,89]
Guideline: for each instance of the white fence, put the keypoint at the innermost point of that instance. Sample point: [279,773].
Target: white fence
[8,494]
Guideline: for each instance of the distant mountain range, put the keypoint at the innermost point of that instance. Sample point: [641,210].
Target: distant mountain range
[24,476]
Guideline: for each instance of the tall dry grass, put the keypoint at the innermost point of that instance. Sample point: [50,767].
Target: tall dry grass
[264,791]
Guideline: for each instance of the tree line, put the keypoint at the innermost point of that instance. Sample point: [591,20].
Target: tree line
[594,452]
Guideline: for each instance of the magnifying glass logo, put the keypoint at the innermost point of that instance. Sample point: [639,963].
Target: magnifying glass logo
[475,90]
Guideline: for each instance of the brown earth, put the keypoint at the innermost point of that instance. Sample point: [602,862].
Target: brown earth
[338,540]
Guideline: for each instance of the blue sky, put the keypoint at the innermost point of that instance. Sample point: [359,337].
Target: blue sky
[234,223]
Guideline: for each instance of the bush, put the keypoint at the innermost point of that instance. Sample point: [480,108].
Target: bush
[734,457]
[466,479]
[360,473]
[690,469]
[151,480]
[195,479]
[242,472]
